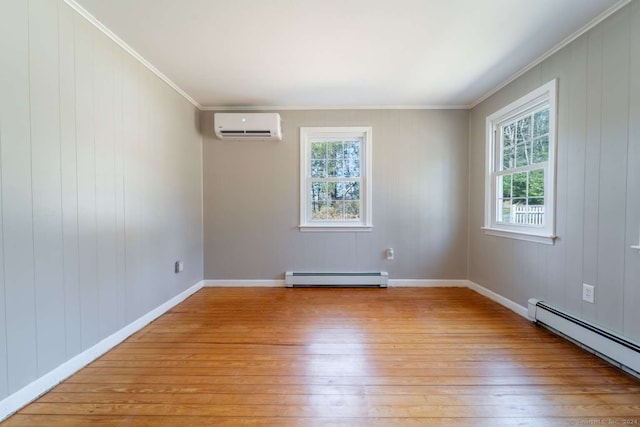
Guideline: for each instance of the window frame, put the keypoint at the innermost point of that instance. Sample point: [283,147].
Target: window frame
[545,95]
[307,134]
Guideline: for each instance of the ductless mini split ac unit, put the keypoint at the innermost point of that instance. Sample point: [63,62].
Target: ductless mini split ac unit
[248,126]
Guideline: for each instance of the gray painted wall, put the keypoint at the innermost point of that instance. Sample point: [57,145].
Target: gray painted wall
[251,200]
[598,183]
[100,189]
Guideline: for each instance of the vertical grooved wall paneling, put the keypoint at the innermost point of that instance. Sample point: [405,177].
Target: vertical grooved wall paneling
[103,69]
[83,251]
[17,196]
[69,170]
[3,324]
[615,132]
[597,208]
[44,93]
[592,165]
[576,92]
[87,223]
[632,257]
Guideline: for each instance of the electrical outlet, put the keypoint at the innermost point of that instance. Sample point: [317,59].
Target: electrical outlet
[588,293]
[389,254]
[179,267]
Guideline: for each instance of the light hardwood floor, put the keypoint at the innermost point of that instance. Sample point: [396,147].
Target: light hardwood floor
[343,357]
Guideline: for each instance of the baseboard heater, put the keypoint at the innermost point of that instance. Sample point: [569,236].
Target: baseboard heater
[614,348]
[337,279]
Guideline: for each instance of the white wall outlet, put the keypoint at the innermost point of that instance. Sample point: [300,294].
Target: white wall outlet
[588,293]
[389,254]
[179,267]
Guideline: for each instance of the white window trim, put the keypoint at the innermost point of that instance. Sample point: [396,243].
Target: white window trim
[547,93]
[365,222]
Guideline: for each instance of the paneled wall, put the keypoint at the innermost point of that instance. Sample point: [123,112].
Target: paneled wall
[598,183]
[100,189]
[251,200]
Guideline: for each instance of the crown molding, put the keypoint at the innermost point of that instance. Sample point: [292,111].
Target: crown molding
[332,107]
[106,31]
[598,19]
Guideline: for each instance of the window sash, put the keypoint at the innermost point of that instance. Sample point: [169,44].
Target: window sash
[513,119]
[311,219]
[500,197]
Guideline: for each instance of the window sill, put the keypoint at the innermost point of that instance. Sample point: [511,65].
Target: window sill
[335,228]
[519,235]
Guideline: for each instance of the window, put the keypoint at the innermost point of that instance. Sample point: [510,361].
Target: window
[335,179]
[520,180]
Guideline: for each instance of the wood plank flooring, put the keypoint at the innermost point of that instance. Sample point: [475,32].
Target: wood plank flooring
[340,357]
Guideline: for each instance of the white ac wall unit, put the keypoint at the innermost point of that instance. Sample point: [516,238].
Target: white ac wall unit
[248,126]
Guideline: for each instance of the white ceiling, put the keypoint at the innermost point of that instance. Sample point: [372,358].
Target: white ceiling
[343,53]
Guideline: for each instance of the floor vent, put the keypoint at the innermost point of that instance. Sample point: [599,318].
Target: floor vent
[616,349]
[368,279]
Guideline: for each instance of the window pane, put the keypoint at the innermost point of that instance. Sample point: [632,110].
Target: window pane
[318,150]
[318,168]
[523,130]
[319,191]
[332,191]
[352,150]
[541,149]
[541,123]
[536,183]
[506,185]
[508,146]
[335,168]
[523,142]
[352,168]
[335,150]
[318,210]
[351,190]
[522,155]
[335,210]
[519,188]
[508,135]
[508,158]
[352,210]
[504,213]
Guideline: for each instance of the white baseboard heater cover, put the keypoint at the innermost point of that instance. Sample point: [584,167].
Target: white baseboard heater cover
[613,347]
[337,279]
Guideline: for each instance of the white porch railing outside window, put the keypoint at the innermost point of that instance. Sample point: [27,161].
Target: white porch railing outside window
[529,215]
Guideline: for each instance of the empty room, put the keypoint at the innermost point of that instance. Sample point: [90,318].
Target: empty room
[319,212]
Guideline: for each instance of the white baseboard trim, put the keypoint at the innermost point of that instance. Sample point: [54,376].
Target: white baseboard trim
[427,283]
[32,391]
[243,283]
[516,308]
